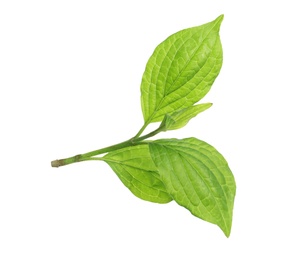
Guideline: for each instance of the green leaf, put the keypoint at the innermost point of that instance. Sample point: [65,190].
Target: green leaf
[197,177]
[136,170]
[181,70]
[181,117]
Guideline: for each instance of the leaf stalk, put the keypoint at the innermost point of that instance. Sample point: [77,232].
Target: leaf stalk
[136,140]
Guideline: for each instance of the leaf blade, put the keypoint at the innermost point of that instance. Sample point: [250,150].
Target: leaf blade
[181,70]
[135,168]
[197,177]
[180,118]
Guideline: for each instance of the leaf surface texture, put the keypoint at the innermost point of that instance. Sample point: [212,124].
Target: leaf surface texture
[181,70]
[135,168]
[181,117]
[197,177]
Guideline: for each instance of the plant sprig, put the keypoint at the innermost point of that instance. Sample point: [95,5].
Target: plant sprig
[179,73]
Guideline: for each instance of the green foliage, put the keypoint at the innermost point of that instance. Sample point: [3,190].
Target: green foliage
[181,70]
[137,171]
[181,117]
[179,73]
[197,177]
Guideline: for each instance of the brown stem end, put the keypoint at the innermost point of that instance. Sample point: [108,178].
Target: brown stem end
[57,163]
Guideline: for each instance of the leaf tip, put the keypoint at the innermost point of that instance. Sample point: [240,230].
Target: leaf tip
[227,233]
[216,24]
[220,18]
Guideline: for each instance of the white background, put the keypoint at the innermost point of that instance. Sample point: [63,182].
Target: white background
[70,73]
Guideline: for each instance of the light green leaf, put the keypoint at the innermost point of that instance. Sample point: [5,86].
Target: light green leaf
[197,177]
[136,170]
[181,70]
[181,117]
